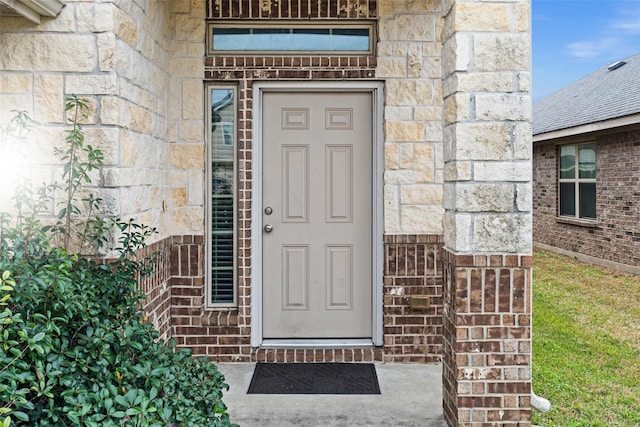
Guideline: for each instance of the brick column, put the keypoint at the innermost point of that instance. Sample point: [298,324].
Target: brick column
[487,226]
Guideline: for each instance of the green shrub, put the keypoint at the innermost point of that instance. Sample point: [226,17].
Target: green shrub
[74,347]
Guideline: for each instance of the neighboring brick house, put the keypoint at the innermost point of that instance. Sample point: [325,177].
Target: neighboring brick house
[586,178]
[312,166]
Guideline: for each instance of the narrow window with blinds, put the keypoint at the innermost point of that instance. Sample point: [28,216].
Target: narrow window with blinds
[221,237]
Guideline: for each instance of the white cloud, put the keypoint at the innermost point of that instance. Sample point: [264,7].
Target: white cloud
[632,26]
[628,18]
[592,48]
[618,36]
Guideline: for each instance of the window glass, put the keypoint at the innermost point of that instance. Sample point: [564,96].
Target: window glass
[587,161]
[567,198]
[588,200]
[222,238]
[577,191]
[312,38]
[350,39]
[270,38]
[232,39]
[568,162]
[309,39]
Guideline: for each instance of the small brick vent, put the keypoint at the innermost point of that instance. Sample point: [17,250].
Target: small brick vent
[291,9]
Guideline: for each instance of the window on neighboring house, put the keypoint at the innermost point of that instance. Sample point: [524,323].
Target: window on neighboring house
[577,181]
[221,177]
[301,38]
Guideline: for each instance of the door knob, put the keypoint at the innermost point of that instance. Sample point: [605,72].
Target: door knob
[268,228]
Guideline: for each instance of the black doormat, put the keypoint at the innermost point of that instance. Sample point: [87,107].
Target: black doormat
[314,378]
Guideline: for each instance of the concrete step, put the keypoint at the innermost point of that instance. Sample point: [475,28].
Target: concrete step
[411,396]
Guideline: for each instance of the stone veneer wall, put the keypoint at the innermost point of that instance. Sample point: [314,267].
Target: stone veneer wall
[487,198]
[409,62]
[140,66]
[135,62]
[615,235]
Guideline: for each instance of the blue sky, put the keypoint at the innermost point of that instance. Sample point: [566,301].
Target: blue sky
[572,38]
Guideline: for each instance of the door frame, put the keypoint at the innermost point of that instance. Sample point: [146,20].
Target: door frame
[377,186]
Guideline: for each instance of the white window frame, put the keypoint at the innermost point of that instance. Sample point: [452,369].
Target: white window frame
[576,180]
[209,87]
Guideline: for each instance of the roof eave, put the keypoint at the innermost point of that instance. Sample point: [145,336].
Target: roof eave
[617,122]
[33,10]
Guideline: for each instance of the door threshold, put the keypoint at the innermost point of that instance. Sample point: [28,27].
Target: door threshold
[319,343]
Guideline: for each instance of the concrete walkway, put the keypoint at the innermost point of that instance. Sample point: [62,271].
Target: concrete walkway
[411,396]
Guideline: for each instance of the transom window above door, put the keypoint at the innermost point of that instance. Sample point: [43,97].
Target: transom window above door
[301,38]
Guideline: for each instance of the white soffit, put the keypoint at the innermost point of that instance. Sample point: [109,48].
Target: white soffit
[33,10]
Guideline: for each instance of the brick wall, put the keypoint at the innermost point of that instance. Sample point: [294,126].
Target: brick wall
[413,266]
[615,235]
[216,334]
[487,344]
[296,9]
[175,305]
[157,287]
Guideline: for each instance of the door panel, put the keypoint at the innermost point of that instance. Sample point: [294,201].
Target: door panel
[295,277]
[339,277]
[317,182]
[339,186]
[295,183]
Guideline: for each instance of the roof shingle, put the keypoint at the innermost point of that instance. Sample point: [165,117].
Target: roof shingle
[602,95]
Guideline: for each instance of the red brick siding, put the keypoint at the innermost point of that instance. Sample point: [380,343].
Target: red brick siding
[157,287]
[317,355]
[413,266]
[615,236]
[216,334]
[487,339]
[291,9]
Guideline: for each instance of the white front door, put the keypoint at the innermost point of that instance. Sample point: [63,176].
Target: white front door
[317,215]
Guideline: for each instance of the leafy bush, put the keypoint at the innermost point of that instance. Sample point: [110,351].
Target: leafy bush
[74,347]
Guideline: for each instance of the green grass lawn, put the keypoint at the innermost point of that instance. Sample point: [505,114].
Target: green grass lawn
[586,343]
